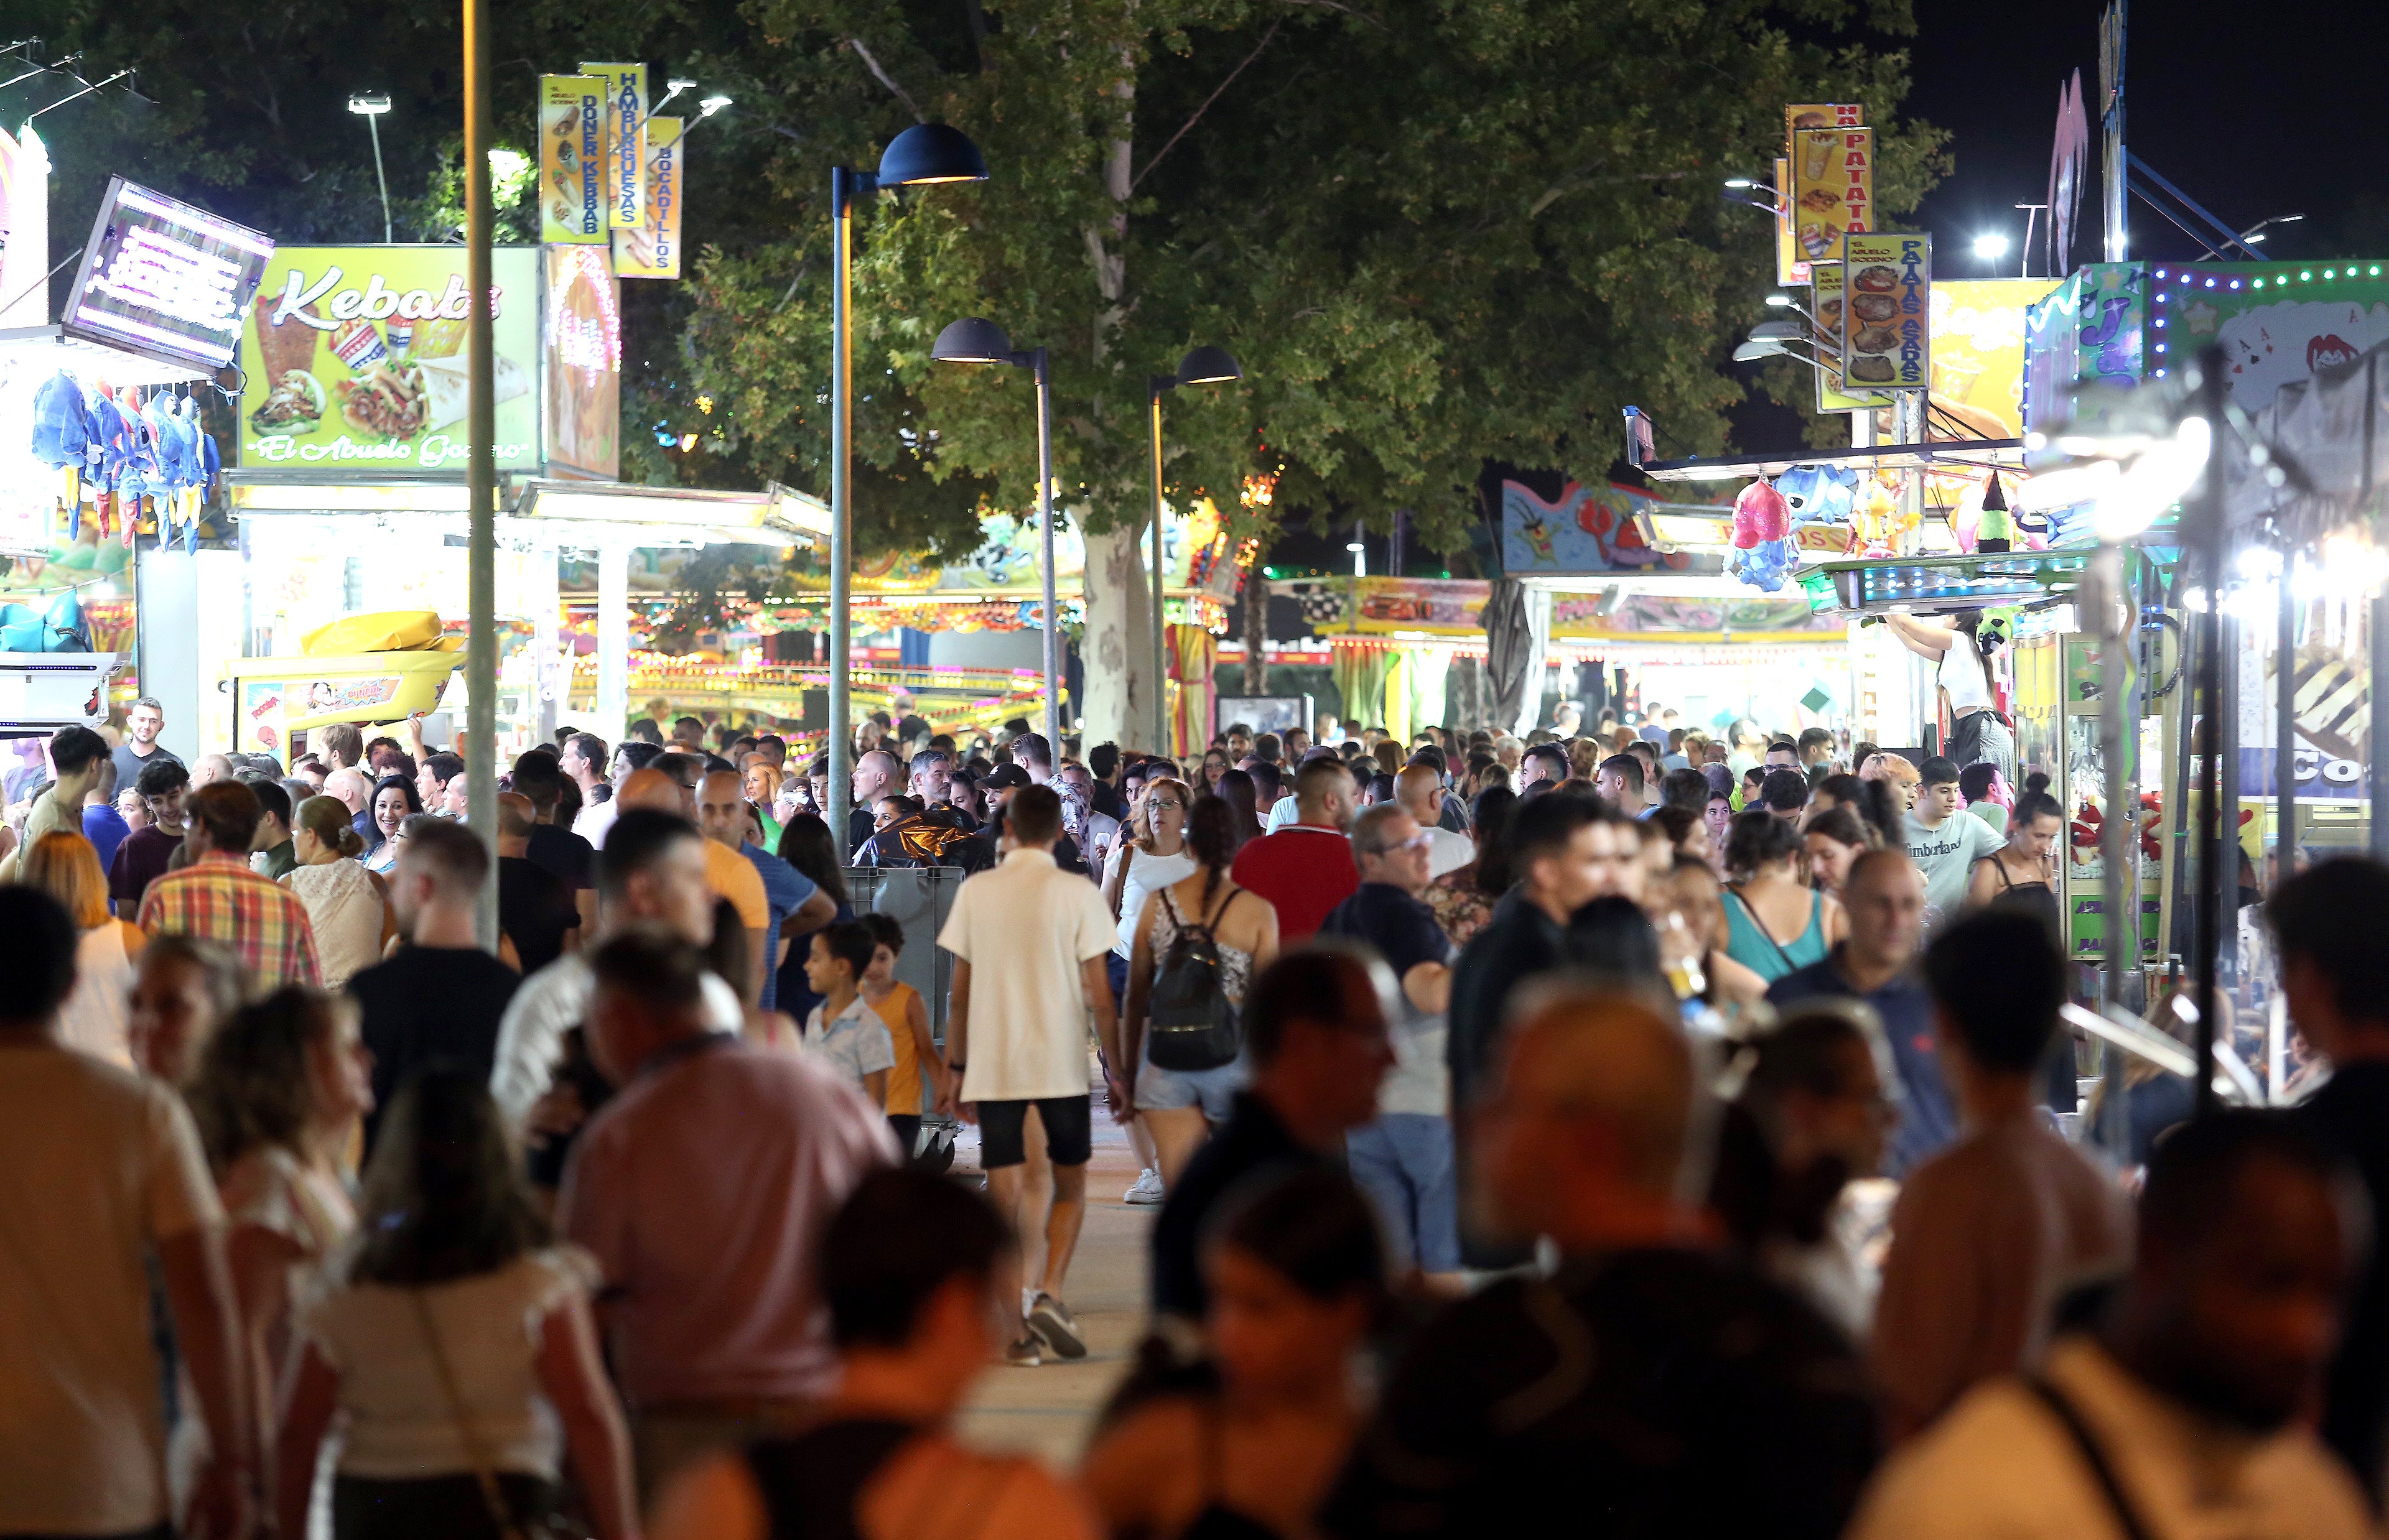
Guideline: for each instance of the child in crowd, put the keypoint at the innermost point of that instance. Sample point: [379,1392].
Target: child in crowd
[907,1015]
[844,1030]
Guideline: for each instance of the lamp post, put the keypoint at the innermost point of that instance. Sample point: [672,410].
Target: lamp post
[921,154]
[480,471]
[973,340]
[371,109]
[1205,366]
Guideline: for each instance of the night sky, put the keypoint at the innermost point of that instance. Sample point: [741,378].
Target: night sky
[2252,109]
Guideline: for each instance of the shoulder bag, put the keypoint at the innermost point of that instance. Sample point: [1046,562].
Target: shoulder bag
[484,1470]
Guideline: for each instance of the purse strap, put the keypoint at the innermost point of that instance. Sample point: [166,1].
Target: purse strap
[476,1453]
[2128,1518]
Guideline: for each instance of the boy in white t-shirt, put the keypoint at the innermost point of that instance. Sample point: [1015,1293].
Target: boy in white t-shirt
[1944,846]
[844,1031]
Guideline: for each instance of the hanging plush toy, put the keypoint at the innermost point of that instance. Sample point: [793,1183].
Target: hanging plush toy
[1818,494]
[1764,552]
[1872,519]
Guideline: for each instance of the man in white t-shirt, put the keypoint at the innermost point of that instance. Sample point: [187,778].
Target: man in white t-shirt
[1028,941]
[1944,844]
[105,1171]
[1420,790]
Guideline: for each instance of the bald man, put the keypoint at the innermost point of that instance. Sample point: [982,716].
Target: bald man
[1652,1369]
[876,775]
[727,873]
[1420,790]
[794,905]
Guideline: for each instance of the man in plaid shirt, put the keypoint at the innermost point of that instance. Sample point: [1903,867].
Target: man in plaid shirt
[218,898]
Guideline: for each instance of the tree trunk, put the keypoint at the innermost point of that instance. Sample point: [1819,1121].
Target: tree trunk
[1119,638]
[1119,642]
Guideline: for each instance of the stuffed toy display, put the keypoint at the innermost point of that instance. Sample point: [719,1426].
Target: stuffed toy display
[1764,550]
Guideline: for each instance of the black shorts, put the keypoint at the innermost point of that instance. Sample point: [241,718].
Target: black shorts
[1070,1130]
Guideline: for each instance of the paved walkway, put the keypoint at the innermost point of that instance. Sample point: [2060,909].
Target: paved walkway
[1049,1411]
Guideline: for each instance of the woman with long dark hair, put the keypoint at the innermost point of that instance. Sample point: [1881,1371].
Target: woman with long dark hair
[1215,765]
[2019,873]
[1236,789]
[459,1343]
[1463,897]
[1960,655]
[1298,1284]
[1182,1106]
[394,799]
[806,845]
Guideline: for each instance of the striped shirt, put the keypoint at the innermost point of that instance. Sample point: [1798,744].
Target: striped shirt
[218,898]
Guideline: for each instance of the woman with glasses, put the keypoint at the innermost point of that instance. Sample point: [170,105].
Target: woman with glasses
[1156,858]
[1215,765]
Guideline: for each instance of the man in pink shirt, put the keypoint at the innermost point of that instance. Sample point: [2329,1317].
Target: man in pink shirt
[699,1188]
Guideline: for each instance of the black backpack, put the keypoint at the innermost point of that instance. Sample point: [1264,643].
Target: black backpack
[1190,1022]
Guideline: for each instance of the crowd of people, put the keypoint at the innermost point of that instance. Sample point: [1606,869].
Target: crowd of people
[1522,1117]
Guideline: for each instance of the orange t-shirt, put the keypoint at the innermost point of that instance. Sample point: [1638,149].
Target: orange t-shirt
[895,1008]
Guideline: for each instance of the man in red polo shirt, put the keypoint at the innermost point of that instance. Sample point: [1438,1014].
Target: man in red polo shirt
[1306,868]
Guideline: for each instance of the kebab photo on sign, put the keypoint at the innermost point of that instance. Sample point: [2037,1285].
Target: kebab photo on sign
[1872,307]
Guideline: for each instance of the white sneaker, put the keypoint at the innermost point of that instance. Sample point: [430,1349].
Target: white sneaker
[1029,1301]
[1147,1189]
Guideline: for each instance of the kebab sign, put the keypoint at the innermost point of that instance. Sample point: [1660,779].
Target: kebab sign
[356,364]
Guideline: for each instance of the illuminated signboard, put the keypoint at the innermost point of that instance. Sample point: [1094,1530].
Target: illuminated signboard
[165,279]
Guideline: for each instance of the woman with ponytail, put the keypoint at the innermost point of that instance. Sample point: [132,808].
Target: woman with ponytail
[2019,871]
[347,906]
[1960,651]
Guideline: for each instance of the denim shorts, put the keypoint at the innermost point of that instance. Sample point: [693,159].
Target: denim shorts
[1213,1090]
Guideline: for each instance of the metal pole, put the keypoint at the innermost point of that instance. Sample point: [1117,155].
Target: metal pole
[2377,639]
[1161,743]
[2115,826]
[2285,724]
[481,471]
[1045,534]
[373,127]
[841,501]
[2219,869]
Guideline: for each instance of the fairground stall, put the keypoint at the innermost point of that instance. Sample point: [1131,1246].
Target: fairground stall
[350,499]
[105,461]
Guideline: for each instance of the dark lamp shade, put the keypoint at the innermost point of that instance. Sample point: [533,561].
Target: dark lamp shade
[972,340]
[931,152]
[1209,365]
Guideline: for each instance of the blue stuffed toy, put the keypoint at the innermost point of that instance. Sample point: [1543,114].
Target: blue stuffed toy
[1818,494]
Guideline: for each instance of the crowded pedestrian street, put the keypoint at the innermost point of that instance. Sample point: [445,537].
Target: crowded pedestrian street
[1291,770]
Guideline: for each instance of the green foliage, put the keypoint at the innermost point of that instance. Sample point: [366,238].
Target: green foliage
[1434,234]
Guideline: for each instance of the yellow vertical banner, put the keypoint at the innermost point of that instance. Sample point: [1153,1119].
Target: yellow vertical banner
[1800,117]
[1833,188]
[571,161]
[653,249]
[1790,268]
[626,142]
[1888,339]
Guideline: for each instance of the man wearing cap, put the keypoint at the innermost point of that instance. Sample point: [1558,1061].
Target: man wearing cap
[1000,786]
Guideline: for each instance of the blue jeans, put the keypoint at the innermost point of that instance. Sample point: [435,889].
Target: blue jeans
[1403,1163]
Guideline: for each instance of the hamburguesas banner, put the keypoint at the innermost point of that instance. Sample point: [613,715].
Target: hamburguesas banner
[626,142]
[353,360]
[572,202]
[653,249]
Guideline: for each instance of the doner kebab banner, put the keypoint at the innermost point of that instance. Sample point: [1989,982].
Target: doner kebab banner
[571,161]
[626,142]
[1888,339]
[354,360]
[653,249]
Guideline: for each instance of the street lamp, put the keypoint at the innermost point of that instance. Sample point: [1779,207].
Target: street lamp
[371,108]
[973,340]
[1991,248]
[674,86]
[1205,366]
[923,154]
